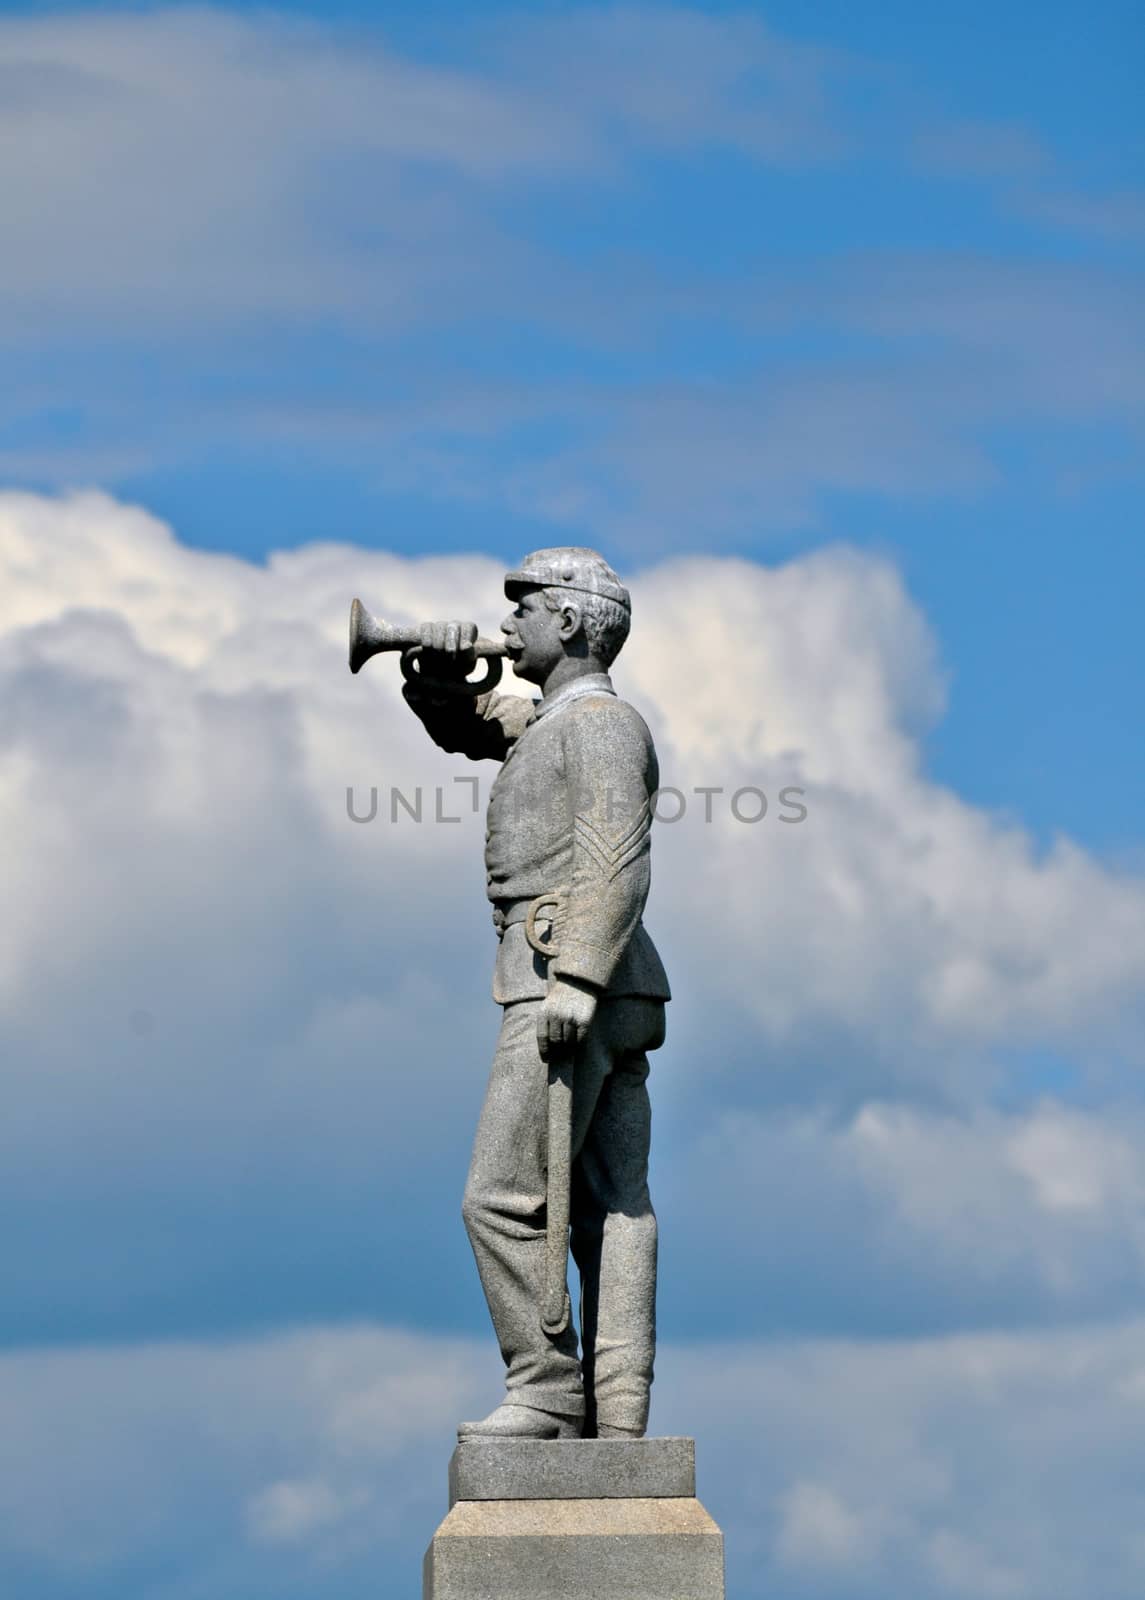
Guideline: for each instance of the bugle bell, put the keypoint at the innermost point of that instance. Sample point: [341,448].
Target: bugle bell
[369,635]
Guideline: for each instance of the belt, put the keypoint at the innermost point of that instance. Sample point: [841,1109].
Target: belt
[540,908]
[506,912]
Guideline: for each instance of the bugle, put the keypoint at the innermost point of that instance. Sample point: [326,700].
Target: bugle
[369,635]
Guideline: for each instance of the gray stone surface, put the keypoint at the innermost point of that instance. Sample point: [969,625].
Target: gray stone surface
[562,1146]
[584,1519]
[641,1549]
[581,1469]
[567,858]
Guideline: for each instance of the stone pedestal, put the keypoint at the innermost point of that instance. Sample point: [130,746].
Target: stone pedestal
[613,1519]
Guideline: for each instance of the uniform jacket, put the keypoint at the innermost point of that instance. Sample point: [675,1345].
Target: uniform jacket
[569,812]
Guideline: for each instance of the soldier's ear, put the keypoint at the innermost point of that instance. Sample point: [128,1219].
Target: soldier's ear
[571,620]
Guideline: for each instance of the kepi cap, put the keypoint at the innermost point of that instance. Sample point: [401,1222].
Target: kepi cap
[568,567]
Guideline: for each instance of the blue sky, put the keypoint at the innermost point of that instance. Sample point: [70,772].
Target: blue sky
[978,156]
[827,327]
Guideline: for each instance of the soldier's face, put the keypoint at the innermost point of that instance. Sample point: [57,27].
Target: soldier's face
[533,636]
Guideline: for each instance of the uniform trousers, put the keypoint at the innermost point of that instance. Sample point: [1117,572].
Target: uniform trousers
[612,1224]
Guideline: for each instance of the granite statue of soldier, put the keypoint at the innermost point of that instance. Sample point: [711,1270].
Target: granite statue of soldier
[583,993]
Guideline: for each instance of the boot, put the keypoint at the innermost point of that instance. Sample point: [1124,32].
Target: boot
[511,1421]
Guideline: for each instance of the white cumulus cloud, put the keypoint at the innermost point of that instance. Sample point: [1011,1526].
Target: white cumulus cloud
[215,985]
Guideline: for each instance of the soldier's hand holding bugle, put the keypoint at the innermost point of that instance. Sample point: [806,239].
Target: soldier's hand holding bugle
[453,644]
